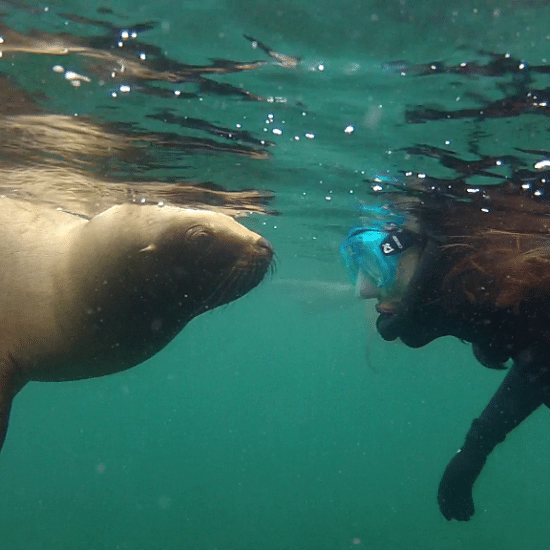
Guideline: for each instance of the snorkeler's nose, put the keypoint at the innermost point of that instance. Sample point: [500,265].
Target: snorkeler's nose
[365,288]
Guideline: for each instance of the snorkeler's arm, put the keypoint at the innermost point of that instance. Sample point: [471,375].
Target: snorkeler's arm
[516,398]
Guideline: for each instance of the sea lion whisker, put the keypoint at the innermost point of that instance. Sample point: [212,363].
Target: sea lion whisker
[231,281]
[273,266]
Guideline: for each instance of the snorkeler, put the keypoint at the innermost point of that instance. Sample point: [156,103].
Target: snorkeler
[441,268]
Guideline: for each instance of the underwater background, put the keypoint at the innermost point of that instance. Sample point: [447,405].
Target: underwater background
[282,421]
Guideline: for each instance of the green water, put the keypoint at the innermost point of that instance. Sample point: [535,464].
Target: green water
[282,421]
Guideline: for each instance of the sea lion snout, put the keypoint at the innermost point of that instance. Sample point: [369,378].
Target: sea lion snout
[260,252]
[264,246]
[227,250]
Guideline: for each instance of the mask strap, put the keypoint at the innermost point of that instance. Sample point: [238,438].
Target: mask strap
[398,241]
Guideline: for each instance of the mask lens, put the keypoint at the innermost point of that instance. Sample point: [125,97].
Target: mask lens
[362,251]
[371,268]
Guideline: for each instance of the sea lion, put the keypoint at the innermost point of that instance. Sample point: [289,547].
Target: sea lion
[83,298]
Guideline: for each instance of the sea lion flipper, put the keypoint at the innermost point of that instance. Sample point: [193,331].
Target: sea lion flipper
[5,408]
[10,385]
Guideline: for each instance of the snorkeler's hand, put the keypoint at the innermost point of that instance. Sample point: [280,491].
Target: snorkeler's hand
[455,489]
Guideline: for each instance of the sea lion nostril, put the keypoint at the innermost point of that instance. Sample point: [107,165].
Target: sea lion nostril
[265,245]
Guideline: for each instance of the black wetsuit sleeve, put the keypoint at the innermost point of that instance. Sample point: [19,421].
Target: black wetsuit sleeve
[517,397]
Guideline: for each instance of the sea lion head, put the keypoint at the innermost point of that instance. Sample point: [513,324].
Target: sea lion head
[211,257]
[139,274]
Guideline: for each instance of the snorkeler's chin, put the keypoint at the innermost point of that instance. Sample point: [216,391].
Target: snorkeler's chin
[389,323]
[394,322]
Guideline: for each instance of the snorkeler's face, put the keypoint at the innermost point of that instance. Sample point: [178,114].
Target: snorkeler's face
[365,288]
[412,314]
[406,266]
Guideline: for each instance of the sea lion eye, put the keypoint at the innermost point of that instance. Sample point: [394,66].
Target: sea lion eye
[199,236]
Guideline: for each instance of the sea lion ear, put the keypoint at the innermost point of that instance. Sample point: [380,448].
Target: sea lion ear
[491,357]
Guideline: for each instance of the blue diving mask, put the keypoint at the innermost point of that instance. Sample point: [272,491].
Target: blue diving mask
[375,251]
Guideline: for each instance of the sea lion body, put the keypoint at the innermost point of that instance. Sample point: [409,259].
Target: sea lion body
[83,298]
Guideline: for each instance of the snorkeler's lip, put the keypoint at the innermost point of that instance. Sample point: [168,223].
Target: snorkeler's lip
[386,307]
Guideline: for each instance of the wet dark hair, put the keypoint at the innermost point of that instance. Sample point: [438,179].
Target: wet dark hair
[484,273]
[494,255]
